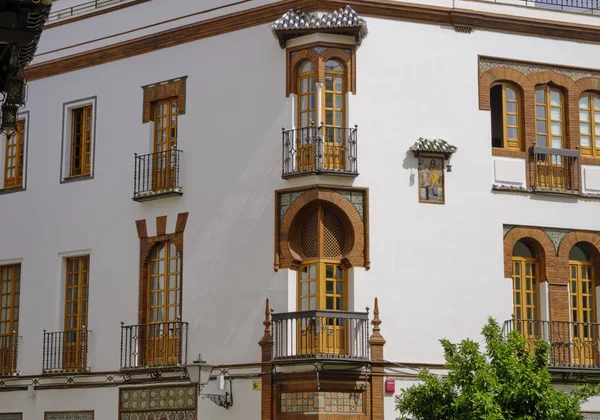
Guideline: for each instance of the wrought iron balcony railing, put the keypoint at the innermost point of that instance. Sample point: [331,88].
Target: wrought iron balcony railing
[572,344]
[156,175]
[152,346]
[9,352]
[320,150]
[66,351]
[321,334]
[581,6]
[556,170]
[81,8]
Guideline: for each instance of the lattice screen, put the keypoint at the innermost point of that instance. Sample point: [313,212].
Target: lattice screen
[309,235]
[334,235]
[591,416]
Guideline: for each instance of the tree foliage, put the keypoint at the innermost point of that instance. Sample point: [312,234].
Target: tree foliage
[507,381]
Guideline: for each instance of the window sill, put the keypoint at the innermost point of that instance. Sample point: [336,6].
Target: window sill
[76,178]
[10,190]
[496,151]
[529,190]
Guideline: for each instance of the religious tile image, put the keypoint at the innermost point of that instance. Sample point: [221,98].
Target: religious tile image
[431,180]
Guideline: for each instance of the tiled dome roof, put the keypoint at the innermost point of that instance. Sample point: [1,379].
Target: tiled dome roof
[295,19]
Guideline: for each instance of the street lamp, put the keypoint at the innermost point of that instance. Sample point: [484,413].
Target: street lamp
[199,374]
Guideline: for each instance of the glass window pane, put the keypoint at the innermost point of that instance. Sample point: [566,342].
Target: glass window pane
[312,304]
[304,290]
[540,96]
[303,103]
[340,288]
[328,83]
[329,303]
[313,271]
[584,128]
[555,114]
[511,120]
[311,84]
[339,304]
[554,98]
[512,133]
[511,107]
[540,126]
[510,94]
[333,65]
[303,85]
[313,287]
[584,102]
[556,128]
[339,272]
[597,130]
[557,142]
[339,100]
[338,119]
[305,67]
[329,117]
[339,85]
[329,271]
[303,304]
[597,103]
[329,100]
[585,141]
[329,287]
[541,141]
[540,111]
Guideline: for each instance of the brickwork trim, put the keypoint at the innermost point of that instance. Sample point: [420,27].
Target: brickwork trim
[164,90]
[147,244]
[357,225]
[553,247]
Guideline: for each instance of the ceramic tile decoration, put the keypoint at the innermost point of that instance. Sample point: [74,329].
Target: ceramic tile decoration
[321,402]
[70,415]
[11,416]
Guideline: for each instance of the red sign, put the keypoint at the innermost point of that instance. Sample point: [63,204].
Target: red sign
[390,386]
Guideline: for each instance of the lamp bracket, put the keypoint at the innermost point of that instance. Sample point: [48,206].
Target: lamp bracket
[222,400]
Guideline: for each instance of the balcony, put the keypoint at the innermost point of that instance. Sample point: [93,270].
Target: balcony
[66,351]
[79,9]
[319,150]
[320,335]
[556,171]
[9,351]
[159,346]
[156,175]
[573,345]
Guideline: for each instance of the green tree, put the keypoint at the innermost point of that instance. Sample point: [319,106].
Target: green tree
[505,382]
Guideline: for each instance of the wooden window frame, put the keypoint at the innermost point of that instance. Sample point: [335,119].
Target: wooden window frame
[321,264]
[548,89]
[79,129]
[75,340]
[509,144]
[166,289]
[592,150]
[19,136]
[10,301]
[536,305]
[67,173]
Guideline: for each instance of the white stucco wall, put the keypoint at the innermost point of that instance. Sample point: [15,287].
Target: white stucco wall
[437,270]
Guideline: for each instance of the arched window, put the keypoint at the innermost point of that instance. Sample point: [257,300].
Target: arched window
[525,286]
[164,306]
[549,117]
[589,124]
[582,291]
[506,107]
[322,279]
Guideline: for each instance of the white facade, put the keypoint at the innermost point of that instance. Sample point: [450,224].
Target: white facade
[437,270]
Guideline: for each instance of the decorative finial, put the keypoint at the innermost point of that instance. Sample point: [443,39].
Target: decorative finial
[376,321]
[267,321]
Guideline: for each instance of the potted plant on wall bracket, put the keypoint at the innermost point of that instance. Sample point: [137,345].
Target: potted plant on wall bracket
[432,155]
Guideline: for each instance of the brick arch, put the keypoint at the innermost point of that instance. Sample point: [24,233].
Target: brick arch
[588,84]
[295,61]
[543,244]
[346,60]
[497,75]
[573,238]
[549,76]
[356,255]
